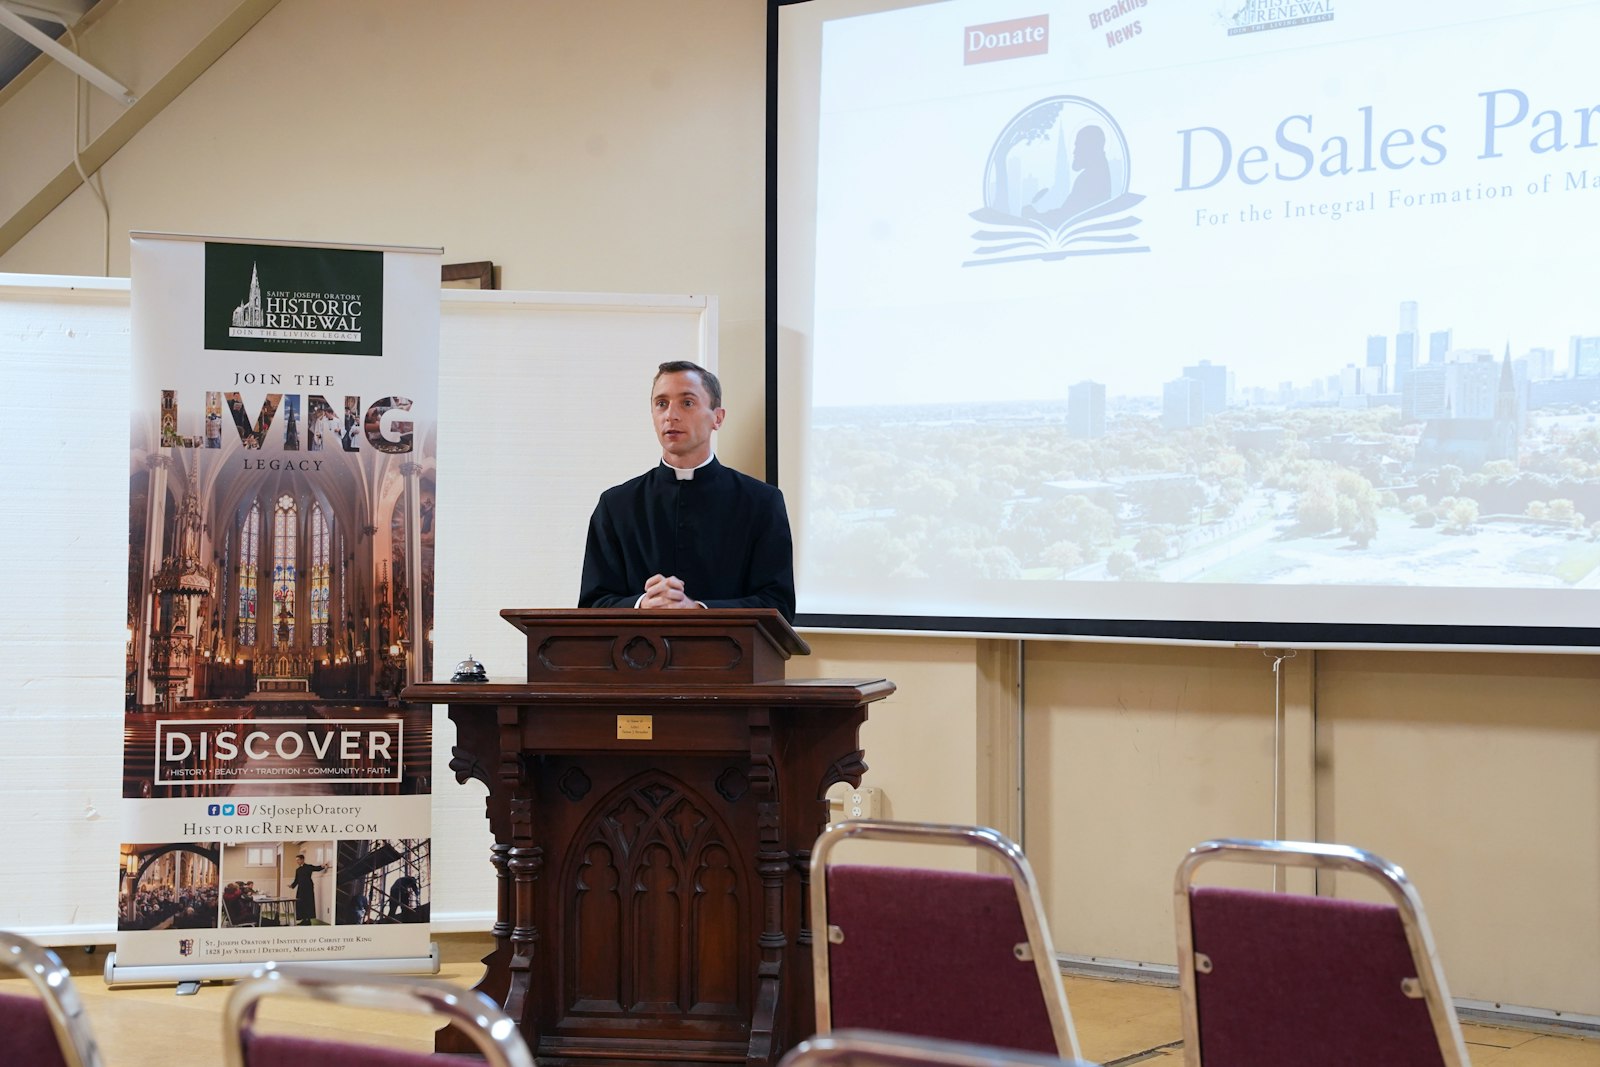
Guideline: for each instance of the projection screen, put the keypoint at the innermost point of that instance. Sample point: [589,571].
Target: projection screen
[1232,320]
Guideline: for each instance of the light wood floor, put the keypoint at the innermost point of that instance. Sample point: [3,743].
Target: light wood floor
[1119,1023]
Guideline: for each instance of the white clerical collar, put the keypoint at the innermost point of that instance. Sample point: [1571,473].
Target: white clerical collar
[686,474]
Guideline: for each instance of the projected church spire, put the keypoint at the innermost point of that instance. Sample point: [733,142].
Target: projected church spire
[1505,401]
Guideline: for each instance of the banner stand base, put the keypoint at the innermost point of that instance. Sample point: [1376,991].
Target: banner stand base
[178,973]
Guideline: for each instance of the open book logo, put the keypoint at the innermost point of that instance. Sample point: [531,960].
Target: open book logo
[1056,185]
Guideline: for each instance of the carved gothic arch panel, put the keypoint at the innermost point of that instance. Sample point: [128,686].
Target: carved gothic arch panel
[655,876]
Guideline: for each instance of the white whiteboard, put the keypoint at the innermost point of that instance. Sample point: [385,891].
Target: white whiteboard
[543,403]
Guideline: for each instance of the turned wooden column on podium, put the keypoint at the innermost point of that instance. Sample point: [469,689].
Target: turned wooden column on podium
[654,792]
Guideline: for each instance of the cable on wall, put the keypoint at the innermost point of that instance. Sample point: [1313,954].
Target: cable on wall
[79,122]
[1277,753]
[1022,748]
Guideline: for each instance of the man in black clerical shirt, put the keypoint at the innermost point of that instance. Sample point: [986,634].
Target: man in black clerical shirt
[691,533]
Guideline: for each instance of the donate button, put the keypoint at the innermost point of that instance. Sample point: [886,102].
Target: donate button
[1007,40]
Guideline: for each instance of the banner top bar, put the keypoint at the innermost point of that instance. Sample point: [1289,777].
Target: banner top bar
[287,242]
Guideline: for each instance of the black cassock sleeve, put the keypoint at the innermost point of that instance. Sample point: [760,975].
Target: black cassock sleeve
[768,562]
[606,581]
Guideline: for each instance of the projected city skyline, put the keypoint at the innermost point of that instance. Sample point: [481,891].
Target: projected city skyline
[1425,374]
[1308,495]
[1464,469]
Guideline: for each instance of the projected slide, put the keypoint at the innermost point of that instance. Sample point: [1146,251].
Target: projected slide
[1214,313]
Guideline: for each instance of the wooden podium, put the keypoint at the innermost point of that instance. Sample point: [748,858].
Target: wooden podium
[654,792]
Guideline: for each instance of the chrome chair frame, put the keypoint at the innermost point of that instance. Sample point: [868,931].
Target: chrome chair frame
[1434,991]
[491,1029]
[996,844]
[44,969]
[874,1048]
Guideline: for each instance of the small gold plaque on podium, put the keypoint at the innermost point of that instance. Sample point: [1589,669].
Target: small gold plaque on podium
[635,727]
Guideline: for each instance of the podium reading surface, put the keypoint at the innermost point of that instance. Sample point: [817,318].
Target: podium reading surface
[654,791]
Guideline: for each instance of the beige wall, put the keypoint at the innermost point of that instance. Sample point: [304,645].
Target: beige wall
[1481,776]
[1478,773]
[939,747]
[617,145]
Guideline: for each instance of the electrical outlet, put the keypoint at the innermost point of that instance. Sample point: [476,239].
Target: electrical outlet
[864,803]
[846,803]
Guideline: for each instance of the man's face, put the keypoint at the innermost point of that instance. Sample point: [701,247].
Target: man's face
[684,418]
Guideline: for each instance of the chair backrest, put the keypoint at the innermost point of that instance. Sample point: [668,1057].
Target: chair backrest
[941,954]
[1275,978]
[875,1048]
[51,1028]
[490,1029]
[235,912]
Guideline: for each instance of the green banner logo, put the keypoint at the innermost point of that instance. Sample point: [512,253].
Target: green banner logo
[279,298]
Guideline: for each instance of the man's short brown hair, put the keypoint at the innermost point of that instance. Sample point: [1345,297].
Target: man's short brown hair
[683,366]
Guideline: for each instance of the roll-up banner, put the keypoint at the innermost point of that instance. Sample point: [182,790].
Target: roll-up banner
[276,790]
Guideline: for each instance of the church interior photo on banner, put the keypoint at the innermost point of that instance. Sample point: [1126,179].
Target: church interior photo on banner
[244,613]
[1165,423]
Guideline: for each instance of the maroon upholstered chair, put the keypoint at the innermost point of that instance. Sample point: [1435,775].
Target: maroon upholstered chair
[874,1048]
[951,955]
[1271,978]
[47,1030]
[493,1032]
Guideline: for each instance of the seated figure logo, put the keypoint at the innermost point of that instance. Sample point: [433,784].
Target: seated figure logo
[1056,185]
